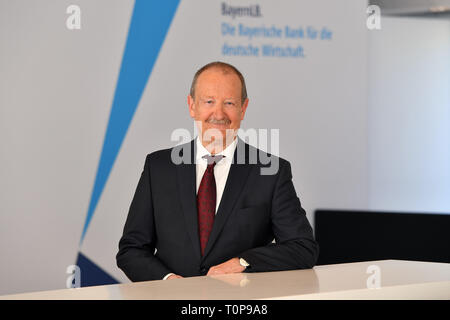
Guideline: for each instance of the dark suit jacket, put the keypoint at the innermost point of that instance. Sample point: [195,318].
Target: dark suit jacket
[254,210]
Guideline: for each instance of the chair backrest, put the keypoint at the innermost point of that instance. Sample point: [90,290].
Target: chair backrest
[353,236]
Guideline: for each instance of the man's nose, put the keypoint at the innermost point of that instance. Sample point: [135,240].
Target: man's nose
[219,114]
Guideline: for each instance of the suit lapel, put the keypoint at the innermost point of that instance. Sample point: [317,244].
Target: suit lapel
[236,180]
[186,173]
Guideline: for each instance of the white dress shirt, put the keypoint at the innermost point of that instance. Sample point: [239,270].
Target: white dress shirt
[221,170]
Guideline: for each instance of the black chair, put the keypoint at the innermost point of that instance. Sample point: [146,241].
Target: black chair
[354,236]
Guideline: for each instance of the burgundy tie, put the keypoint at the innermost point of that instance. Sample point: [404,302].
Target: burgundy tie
[206,201]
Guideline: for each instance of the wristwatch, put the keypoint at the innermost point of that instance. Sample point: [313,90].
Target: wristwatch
[243,263]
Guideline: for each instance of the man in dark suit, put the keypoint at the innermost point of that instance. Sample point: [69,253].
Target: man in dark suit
[208,207]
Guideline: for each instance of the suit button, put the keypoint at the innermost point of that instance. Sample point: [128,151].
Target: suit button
[203,270]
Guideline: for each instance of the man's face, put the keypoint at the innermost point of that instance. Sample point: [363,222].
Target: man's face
[217,104]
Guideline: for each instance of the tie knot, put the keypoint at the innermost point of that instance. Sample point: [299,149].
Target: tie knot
[213,160]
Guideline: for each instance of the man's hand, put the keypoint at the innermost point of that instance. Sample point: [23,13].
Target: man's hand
[174,276]
[230,266]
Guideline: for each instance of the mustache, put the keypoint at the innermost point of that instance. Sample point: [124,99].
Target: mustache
[216,121]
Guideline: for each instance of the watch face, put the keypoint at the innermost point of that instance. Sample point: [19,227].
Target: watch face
[243,263]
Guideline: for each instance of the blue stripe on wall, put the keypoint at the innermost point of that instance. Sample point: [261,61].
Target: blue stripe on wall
[148,28]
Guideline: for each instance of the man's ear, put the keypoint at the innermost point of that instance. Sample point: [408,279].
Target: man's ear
[191,106]
[244,108]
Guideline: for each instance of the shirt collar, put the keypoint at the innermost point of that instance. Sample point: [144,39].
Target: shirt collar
[228,152]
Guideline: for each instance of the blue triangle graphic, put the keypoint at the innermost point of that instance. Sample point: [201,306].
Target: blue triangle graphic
[92,274]
[148,28]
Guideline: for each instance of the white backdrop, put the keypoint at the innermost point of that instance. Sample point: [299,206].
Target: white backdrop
[57,88]
[409,115]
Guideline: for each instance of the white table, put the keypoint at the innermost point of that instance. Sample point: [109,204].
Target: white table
[398,280]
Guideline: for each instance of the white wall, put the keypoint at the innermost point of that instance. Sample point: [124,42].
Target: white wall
[56,91]
[409,115]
